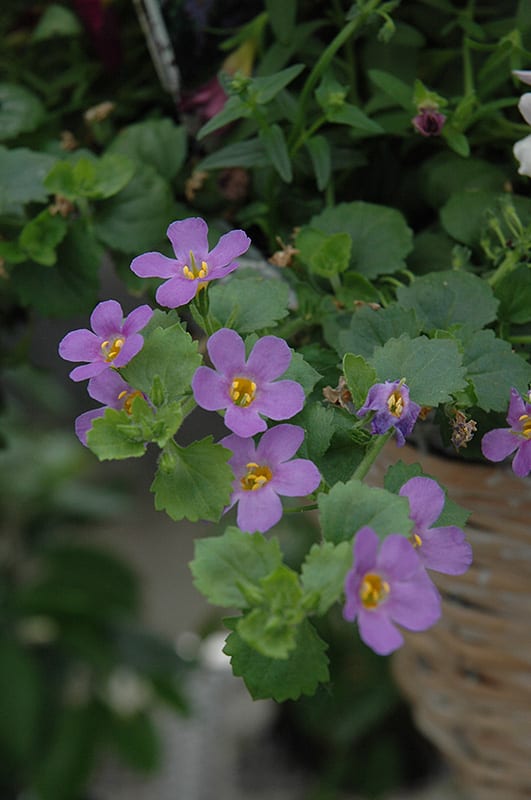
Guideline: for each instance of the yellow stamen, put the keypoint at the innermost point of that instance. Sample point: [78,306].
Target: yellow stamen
[525,419]
[373,590]
[128,398]
[242,392]
[395,403]
[256,477]
[111,347]
[416,540]
[192,272]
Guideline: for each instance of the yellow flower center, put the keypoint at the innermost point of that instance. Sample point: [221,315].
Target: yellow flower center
[128,398]
[525,419]
[242,392]
[256,477]
[395,403]
[111,347]
[373,590]
[193,272]
[415,540]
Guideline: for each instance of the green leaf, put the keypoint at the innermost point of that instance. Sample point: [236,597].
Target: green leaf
[94,178]
[325,255]
[136,740]
[72,286]
[324,571]
[353,117]
[432,368]
[299,370]
[394,88]
[169,353]
[247,154]
[233,110]
[56,21]
[350,506]
[265,89]
[227,568]
[134,220]
[250,301]
[319,150]
[22,694]
[380,237]
[447,173]
[22,174]
[272,627]
[69,753]
[40,237]
[493,368]
[344,454]
[370,328]
[160,143]
[281,679]
[281,15]
[20,110]
[276,148]
[115,436]
[318,423]
[456,140]
[514,295]
[194,482]
[465,215]
[360,376]
[452,297]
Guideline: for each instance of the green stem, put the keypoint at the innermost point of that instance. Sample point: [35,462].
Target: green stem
[519,339]
[324,61]
[506,267]
[187,405]
[374,450]
[310,507]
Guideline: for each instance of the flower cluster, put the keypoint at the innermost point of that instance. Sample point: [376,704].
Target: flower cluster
[248,390]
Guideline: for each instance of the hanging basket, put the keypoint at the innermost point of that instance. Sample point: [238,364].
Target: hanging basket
[469,678]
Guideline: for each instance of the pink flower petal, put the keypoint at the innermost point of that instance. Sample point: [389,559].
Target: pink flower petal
[414,604]
[426,500]
[176,292]
[269,358]
[280,400]
[210,389]
[522,460]
[227,353]
[155,265]
[378,632]
[137,319]
[499,443]
[80,345]
[189,234]
[230,246]
[397,558]
[296,478]
[279,444]
[258,510]
[107,318]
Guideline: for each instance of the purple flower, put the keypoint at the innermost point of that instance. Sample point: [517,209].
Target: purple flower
[249,388]
[429,122]
[113,341]
[501,442]
[264,472]
[193,264]
[393,408]
[387,587]
[110,389]
[443,549]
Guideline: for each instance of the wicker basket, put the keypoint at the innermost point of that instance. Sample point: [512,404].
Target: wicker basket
[469,678]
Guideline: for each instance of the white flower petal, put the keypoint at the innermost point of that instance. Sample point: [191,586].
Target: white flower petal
[522,153]
[524,107]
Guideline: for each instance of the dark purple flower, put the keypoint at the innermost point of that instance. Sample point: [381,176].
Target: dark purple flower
[501,442]
[247,388]
[193,264]
[110,389]
[112,342]
[443,549]
[390,401]
[264,472]
[429,122]
[387,587]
